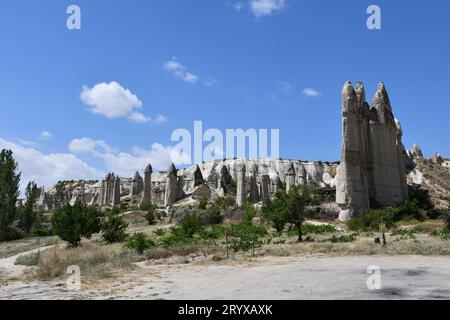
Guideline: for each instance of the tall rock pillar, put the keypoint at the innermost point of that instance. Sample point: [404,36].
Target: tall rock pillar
[147,196]
[241,194]
[171,193]
[351,194]
[290,177]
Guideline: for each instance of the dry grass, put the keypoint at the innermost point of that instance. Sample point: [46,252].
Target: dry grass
[11,248]
[95,261]
[422,244]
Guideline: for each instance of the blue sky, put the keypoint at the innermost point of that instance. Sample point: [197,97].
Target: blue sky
[231,64]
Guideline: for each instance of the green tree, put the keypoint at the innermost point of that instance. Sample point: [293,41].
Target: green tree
[203,203]
[71,223]
[9,191]
[289,208]
[150,214]
[27,214]
[139,243]
[114,228]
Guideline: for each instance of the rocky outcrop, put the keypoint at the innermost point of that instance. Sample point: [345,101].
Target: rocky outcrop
[372,168]
[147,194]
[137,184]
[171,191]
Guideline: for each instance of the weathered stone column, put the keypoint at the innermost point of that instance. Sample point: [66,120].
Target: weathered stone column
[290,177]
[254,193]
[351,195]
[147,196]
[137,184]
[241,194]
[171,193]
[265,183]
[116,192]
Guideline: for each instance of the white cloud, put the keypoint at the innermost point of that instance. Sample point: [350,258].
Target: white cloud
[125,164]
[237,5]
[114,101]
[27,143]
[160,119]
[261,8]
[310,92]
[45,135]
[89,146]
[47,169]
[210,82]
[138,117]
[180,71]
[110,100]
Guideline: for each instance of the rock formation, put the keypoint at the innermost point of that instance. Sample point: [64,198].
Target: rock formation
[372,168]
[147,195]
[137,184]
[171,192]
[290,177]
[254,192]
[241,194]
[116,192]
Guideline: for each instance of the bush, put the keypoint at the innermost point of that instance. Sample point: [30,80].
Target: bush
[250,213]
[191,224]
[213,233]
[113,228]
[344,239]
[224,203]
[446,218]
[372,219]
[10,235]
[71,223]
[150,214]
[246,237]
[139,243]
[30,260]
[321,229]
[213,216]
[203,203]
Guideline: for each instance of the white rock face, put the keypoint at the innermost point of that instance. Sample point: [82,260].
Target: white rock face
[218,175]
[373,162]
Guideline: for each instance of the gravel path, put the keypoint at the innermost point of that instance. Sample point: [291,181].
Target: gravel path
[402,277]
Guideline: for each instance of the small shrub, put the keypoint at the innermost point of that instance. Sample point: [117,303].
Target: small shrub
[114,228]
[246,237]
[213,216]
[344,239]
[30,260]
[159,232]
[191,224]
[150,215]
[320,229]
[139,243]
[203,203]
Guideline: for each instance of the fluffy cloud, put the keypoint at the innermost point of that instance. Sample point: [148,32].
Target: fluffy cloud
[261,8]
[310,92]
[114,101]
[138,117]
[45,135]
[180,71]
[125,164]
[89,146]
[110,100]
[47,169]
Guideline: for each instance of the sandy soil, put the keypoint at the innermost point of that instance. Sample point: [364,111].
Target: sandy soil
[402,277]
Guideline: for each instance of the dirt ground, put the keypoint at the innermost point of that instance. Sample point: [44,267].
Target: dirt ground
[303,277]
